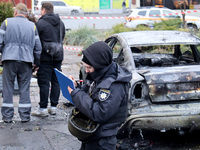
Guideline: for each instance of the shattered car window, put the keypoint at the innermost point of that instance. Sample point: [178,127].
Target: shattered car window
[167,55]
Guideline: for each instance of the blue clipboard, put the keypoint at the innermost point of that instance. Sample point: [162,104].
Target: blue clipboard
[64,82]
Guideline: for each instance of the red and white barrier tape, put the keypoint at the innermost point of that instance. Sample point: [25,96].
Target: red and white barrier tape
[170,14]
[73,17]
[72,48]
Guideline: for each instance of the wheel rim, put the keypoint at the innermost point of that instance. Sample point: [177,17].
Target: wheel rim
[74,12]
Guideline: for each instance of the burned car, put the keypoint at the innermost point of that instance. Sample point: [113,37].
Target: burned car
[165,85]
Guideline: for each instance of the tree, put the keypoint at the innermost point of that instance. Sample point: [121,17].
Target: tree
[6,10]
[183,4]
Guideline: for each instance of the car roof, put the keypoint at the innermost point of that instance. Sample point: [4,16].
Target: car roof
[50,0]
[161,37]
[151,7]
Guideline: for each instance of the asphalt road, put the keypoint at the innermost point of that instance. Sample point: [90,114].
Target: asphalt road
[74,24]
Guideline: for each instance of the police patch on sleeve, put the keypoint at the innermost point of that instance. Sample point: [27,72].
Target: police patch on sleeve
[103,94]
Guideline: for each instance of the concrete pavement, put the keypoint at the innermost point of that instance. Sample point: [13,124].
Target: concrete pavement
[48,133]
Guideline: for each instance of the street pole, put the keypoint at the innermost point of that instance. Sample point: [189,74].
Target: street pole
[182,4]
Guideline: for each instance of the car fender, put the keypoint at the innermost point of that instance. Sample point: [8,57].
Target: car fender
[193,20]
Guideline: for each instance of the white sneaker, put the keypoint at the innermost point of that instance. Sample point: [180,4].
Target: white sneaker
[52,110]
[40,113]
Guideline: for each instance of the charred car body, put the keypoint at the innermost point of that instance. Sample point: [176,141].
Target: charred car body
[165,85]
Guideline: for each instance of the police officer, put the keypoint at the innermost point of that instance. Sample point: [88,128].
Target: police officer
[105,99]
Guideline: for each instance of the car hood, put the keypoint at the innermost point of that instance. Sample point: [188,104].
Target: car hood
[173,83]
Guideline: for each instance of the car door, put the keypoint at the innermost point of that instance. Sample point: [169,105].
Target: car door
[167,14]
[116,48]
[154,16]
[60,8]
[64,9]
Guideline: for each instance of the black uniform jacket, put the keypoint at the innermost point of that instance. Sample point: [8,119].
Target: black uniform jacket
[48,27]
[108,103]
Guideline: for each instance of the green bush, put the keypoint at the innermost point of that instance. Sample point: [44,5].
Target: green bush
[171,24]
[84,37]
[119,28]
[6,11]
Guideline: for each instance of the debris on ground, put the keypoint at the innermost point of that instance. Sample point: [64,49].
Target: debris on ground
[131,144]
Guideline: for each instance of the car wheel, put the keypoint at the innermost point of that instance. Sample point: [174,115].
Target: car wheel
[192,27]
[74,12]
[143,26]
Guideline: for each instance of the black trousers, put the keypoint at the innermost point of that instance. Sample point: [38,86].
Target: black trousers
[107,143]
[48,83]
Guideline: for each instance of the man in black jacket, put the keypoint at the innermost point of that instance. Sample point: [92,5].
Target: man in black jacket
[50,29]
[105,100]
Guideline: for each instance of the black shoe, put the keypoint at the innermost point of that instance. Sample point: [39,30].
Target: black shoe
[7,120]
[25,120]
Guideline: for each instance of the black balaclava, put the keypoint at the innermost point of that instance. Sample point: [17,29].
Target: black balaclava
[99,55]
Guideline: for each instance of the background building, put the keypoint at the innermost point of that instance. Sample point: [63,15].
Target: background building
[100,6]
[29,3]
[172,4]
[115,6]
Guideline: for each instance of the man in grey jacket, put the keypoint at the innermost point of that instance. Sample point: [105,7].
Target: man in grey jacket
[21,48]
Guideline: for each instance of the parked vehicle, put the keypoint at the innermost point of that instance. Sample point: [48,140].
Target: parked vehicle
[147,16]
[60,7]
[165,85]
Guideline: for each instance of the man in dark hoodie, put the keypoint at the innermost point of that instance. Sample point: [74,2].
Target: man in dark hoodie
[50,29]
[105,99]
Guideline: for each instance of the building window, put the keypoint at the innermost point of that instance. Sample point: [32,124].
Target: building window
[159,2]
[180,4]
[195,2]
